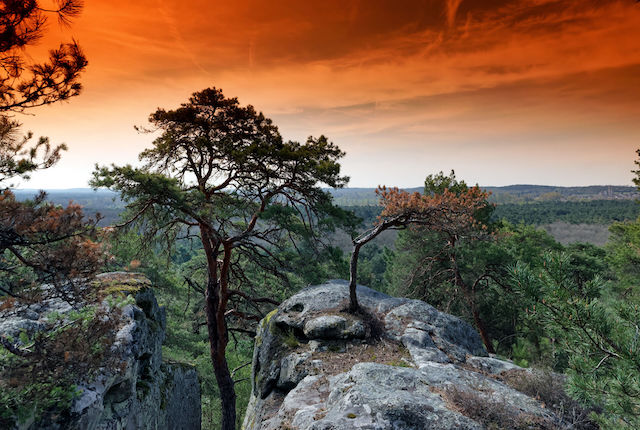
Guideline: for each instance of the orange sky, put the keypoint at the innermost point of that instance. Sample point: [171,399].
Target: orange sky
[502,91]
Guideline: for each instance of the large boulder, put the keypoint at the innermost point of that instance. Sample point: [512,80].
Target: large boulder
[400,364]
[136,390]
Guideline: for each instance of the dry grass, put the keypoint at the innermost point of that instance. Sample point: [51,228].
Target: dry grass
[383,351]
[494,415]
[548,388]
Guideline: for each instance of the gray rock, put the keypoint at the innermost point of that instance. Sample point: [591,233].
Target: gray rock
[491,365]
[369,396]
[143,393]
[293,370]
[310,333]
[334,327]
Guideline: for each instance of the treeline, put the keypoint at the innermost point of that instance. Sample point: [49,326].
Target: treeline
[364,204]
[507,194]
[541,213]
[579,212]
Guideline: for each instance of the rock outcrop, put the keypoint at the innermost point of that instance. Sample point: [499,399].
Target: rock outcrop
[138,390]
[401,364]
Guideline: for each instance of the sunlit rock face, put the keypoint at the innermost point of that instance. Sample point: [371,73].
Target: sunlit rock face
[401,364]
[135,390]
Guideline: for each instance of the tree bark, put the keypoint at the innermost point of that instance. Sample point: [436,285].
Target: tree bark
[482,329]
[216,296]
[354,306]
[217,349]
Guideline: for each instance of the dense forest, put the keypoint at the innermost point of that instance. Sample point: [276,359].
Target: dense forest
[516,267]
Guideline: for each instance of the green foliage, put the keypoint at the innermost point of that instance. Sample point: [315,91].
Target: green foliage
[600,338]
[415,269]
[574,212]
[623,254]
[437,184]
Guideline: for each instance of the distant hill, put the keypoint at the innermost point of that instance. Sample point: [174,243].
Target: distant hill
[529,193]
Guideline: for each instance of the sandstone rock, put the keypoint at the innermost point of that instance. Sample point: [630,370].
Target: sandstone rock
[292,370]
[143,392]
[317,367]
[334,327]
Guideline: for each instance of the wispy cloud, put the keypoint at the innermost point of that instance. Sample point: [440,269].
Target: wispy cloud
[452,10]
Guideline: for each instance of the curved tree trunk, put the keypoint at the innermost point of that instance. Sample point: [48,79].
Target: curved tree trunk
[482,329]
[354,306]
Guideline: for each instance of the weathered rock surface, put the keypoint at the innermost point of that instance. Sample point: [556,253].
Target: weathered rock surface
[142,392]
[315,367]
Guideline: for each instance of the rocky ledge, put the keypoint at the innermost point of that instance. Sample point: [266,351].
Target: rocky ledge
[401,364]
[139,391]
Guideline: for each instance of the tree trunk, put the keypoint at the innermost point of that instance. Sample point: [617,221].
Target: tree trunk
[215,305]
[469,294]
[217,348]
[227,394]
[354,306]
[482,329]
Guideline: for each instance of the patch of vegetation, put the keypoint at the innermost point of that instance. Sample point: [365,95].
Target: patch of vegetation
[398,363]
[290,339]
[549,389]
[493,414]
[340,358]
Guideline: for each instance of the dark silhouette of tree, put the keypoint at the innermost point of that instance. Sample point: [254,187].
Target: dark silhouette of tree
[17,159]
[24,85]
[222,173]
[636,180]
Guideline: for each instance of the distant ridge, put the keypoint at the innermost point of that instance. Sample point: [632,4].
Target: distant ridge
[519,193]
[361,196]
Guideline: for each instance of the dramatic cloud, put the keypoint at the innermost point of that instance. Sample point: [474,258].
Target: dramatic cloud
[502,90]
